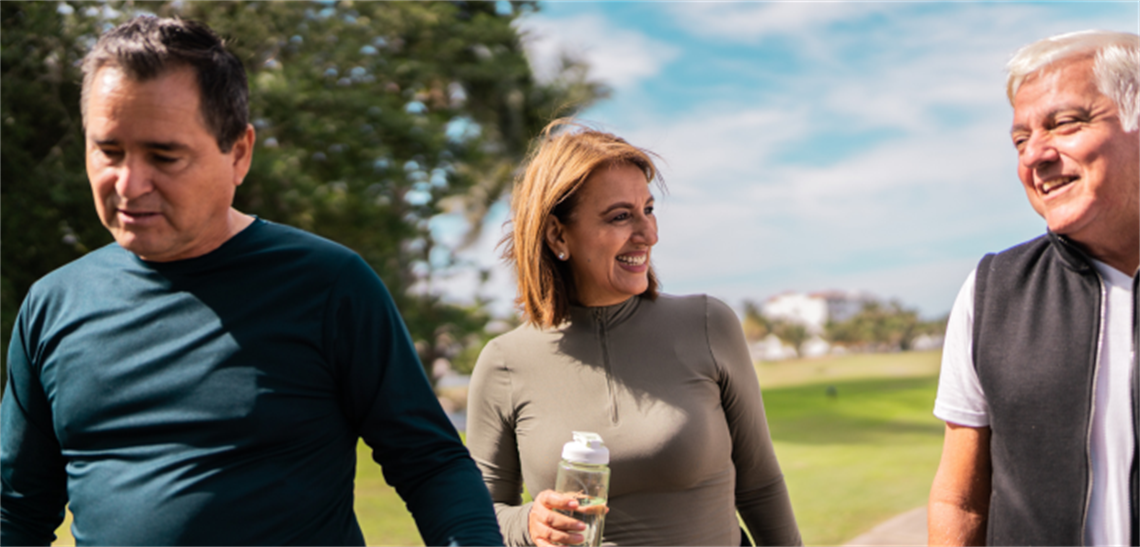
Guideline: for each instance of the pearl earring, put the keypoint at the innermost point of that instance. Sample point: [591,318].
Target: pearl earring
[561,256]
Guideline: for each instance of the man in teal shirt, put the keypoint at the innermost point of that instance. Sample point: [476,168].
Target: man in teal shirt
[205,379]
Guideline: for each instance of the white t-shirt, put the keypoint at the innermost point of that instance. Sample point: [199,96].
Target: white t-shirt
[961,401]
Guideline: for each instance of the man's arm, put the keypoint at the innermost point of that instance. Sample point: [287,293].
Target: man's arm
[33,478]
[960,496]
[395,411]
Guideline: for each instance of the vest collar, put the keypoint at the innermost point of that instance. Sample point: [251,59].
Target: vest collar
[1071,254]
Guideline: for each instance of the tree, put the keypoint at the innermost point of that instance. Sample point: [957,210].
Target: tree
[373,119]
[791,332]
[756,324]
[48,217]
[880,326]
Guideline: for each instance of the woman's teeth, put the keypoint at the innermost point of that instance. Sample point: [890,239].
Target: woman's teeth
[633,260]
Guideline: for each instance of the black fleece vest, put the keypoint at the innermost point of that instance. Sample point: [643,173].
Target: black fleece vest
[1037,315]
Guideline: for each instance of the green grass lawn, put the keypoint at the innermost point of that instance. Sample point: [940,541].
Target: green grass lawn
[856,459]
[851,461]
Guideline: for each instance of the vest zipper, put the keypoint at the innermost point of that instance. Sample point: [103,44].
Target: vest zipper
[1092,404]
[603,340]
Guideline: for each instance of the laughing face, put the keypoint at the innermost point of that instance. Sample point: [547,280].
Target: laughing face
[1079,168]
[608,238]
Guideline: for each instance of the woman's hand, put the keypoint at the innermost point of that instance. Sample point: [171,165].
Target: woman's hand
[547,527]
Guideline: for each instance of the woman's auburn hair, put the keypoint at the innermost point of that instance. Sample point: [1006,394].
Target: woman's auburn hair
[560,161]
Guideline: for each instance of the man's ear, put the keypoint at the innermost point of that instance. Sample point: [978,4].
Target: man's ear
[556,237]
[243,153]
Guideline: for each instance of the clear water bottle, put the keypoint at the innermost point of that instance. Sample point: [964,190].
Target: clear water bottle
[584,473]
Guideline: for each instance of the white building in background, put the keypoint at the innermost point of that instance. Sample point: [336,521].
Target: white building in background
[814,310]
[771,348]
[815,346]
[805,309]
[927,342]
[843,305]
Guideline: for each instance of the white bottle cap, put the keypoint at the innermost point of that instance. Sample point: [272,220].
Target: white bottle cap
[586,448]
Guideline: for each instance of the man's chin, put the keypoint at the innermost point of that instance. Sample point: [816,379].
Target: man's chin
[1066,221]
[140,246]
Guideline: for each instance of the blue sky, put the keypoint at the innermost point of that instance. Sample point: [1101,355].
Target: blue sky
[811,146]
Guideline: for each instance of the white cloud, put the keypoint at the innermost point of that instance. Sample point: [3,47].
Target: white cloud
[618,56]
[751,22]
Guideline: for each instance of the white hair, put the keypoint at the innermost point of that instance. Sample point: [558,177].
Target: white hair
[1116,66]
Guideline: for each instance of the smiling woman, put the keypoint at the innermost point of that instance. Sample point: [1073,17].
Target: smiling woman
[611,179]
[666,381]
[609,233]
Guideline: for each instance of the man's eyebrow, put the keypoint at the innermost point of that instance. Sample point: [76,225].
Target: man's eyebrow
[165,146]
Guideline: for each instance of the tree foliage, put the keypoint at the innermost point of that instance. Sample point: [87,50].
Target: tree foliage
[758,326]
[878,326]
[882,327]
[373,119]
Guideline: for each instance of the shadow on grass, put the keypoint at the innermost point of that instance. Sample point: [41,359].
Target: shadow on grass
[880,411]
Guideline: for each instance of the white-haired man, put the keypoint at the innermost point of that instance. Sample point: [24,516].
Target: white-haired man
[1039,383]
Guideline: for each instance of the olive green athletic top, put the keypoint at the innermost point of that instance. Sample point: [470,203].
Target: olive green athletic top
[669,386]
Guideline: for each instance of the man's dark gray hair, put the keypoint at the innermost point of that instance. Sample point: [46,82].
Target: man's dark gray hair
[147,47]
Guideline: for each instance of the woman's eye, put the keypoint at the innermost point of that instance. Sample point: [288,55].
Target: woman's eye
[164,159]
[619,217]
[649,210]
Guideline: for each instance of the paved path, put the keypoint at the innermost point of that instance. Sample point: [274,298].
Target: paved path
[908,528]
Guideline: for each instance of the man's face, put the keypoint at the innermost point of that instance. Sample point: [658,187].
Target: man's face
[161,185]
[1080,170]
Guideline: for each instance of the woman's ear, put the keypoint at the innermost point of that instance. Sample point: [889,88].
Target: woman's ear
[556,237]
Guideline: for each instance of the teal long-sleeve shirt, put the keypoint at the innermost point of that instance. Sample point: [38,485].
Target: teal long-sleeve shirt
[219,400]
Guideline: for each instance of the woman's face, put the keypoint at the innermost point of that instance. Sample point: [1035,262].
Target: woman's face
[608,236]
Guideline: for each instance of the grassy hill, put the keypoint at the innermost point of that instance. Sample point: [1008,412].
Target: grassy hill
[854,435]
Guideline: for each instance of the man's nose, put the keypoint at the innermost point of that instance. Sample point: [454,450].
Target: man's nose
[1038,151]
[135,178]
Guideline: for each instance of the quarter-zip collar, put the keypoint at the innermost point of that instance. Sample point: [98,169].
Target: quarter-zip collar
[607,316]
[600,320]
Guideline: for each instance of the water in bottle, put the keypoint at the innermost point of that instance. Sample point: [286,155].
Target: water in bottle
[584,473]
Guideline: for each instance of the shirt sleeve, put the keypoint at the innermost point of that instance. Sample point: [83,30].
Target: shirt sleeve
[761,495]
[491,438]
[33,491]
[960,397]
[387,395]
